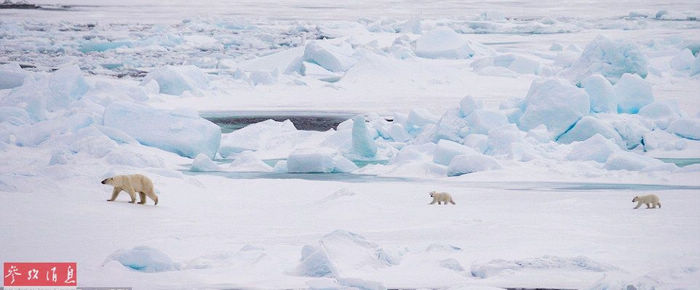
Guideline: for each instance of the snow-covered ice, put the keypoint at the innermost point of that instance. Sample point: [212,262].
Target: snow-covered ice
[542,120]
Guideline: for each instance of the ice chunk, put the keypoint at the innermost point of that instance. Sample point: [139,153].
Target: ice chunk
[318,160]
[478,142]
[174,80]
[482,121]
[683,60]
[334,58]
[14,115]
[418,118]
[554,103]
[11,75]
[443,42]
[341,252]
[266,135]
[316,71]
[144,259]
[516,63]
[610,58]
[398,133]
[465,164]
[66,85]
[101,46]
[596,148]
[117,135]
[601,92]
[467,105]
[202,163]
[507,140]
[586,128]
[263,77]
[451,264]
[662,112]
[248,162]
[624,160]
[362,143]
[662,140]
[184,134]
[696,66]
[42,131]
[631,129]
[686,128]
[633,93]
[446,150]
[579,263]
[450,127]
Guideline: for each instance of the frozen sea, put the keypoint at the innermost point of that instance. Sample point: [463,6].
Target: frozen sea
[542,119]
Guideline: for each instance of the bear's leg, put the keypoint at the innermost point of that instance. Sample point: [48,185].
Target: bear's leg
[434,201]
[132,194]
[115,192]
[452,201]
[153,196]
[648,206]
[143,197]
[638,205]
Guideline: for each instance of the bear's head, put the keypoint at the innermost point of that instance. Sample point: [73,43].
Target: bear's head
[635,198]
[432,193]
[108,181]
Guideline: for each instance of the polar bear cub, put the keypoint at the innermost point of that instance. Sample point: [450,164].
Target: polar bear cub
[647,199]
[132,184]
[441,197]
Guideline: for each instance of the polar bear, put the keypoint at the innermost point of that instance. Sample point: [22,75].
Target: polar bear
[441,197]
[132,184]
[647,199]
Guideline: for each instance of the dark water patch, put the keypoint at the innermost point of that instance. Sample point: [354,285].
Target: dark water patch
[681,162]
[230,121]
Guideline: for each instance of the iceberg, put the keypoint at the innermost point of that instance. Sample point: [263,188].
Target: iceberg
[202,163]
[334,58]
[686,128]
[596,148]
[144,259]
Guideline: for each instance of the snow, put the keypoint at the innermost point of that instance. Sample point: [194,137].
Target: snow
[542,128]
[180,132]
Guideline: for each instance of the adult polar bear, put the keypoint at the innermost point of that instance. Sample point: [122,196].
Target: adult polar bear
[649,199]
[132,184]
